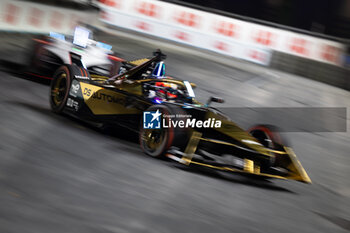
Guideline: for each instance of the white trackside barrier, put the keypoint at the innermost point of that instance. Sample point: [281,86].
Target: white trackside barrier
[217,33]
[197,28]
[38,18]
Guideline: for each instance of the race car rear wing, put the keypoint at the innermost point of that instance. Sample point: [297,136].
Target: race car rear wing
[140,67]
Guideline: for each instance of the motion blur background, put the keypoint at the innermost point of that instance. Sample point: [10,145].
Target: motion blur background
[58,175]
[305,38]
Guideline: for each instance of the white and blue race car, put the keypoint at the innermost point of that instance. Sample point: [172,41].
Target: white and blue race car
[52,51]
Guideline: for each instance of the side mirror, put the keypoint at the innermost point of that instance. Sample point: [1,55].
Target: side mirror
[215,99]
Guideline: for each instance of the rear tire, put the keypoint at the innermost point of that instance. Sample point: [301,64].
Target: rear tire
[60,85]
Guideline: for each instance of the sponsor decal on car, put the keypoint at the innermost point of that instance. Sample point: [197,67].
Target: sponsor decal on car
[155,120]
[74,90]
[81,77]
[73,104]
[102,101]
[103,96]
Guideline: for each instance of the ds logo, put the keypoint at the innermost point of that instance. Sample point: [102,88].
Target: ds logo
[151,120]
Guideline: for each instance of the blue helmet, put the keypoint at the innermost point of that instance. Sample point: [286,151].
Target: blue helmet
[159,70]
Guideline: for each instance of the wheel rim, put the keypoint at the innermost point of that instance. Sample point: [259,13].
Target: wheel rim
[59,89]
[153,141]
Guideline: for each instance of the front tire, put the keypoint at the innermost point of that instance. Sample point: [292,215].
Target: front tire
[155,142]
[269,136]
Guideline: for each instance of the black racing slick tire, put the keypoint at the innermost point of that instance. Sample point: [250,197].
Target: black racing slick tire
[270,137]
[156,142]
[60,85]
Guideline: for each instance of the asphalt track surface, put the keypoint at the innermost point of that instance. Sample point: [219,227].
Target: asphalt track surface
[59,175]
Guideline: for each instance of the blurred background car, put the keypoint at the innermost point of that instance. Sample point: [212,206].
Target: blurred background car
[52,51]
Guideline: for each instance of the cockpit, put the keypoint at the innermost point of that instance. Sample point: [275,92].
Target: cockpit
[161,88]
[148,77]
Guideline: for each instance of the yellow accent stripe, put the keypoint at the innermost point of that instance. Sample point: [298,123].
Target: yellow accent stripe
[100,77]
[248,165]
[256,169]
[231,144]
[297,165]
[234,170]
[139,61]
[192,145]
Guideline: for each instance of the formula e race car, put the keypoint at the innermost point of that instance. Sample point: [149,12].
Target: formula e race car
[50,52]
[169,120]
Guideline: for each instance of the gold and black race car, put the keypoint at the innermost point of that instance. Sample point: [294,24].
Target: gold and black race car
[169,120]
